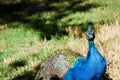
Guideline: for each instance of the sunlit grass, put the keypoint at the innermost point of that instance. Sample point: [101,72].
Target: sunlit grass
[109,35]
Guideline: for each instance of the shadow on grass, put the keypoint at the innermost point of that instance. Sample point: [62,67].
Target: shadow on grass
[24,10]
[18,63]
[106,77]
[28,75]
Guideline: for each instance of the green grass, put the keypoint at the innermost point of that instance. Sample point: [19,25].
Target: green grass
[22,49]
[23,45]
[57,16]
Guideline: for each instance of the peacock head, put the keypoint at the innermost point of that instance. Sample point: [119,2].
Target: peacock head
[90,35]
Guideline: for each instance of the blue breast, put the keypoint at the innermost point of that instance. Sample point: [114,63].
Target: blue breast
[92,67]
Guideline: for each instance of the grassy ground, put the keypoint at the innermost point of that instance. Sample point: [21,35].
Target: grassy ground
[21,51]
[23,48]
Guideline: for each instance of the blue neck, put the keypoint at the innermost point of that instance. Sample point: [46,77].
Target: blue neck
[93,53]
[91,44]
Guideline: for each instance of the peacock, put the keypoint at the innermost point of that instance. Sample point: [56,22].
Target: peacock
[92,67]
